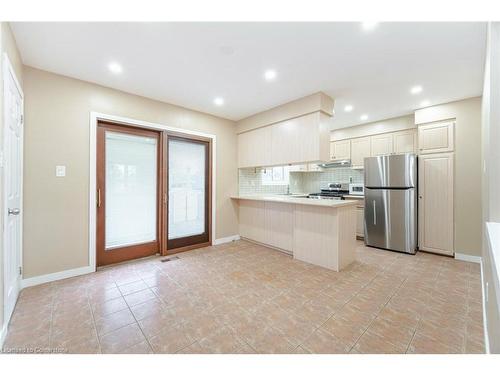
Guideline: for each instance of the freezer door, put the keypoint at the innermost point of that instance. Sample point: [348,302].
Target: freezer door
[390,219]
[396,171]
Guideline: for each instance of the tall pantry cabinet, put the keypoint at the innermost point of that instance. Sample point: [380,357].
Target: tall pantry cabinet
[435,187]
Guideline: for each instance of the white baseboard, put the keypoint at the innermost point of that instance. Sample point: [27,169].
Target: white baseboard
[32,281]
[468,258]
[220,241]
[3,334]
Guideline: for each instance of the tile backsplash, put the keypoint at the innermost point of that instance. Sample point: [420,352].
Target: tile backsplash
[314,181]
[250,180]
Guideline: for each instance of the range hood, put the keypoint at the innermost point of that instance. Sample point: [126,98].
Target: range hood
[337,164]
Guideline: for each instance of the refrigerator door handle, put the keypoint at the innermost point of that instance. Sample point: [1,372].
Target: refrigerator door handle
[374,213]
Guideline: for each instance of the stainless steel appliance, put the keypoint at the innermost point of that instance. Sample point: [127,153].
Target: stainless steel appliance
[357,188]
[332,191]
[391,202]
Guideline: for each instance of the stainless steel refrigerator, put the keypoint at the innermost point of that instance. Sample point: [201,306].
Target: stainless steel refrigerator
[391,202]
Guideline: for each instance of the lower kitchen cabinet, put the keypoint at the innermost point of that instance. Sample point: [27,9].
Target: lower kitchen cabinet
[279,225]
[435,206]
[360,221]
[252,220]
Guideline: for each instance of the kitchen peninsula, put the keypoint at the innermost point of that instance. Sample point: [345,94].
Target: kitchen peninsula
[321,232]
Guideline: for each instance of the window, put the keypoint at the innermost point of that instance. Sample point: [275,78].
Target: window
[275,176]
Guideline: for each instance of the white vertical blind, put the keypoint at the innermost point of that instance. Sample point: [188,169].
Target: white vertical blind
[186,188]
[131,174]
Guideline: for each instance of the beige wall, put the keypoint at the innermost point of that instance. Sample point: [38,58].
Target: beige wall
[8,46]
[57,133]
[378,127]
[468,216]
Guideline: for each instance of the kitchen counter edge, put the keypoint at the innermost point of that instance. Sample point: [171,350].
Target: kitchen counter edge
[303,201]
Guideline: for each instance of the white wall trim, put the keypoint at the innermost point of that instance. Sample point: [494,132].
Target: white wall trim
[485,322]
[42,279]
[3,334]
[94,118]
[220,241]
[468,258]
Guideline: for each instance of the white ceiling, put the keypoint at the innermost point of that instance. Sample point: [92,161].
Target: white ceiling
[189,64]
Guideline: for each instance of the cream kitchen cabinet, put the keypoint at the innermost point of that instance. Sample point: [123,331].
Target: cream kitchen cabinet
[254,148]
[435,203]
[436,137]
[360,149]
[300,140]
[252,220]
[382,144]
[405,141]
[360,221]
[340,150]
[278,219]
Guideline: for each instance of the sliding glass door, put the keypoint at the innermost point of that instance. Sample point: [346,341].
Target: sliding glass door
[127,196]
[188,176]
[153,192]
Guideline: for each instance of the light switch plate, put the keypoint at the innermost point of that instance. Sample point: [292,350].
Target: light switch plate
[60,170]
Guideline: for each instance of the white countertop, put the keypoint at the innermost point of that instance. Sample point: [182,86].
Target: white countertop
[292,199]
[354,196]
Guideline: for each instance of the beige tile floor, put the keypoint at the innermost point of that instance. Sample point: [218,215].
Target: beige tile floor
[245,298]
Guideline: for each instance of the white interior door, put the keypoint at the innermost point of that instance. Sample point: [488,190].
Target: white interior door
[12,189]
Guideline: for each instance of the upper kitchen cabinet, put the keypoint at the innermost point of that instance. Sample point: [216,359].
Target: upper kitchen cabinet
[303,139]
[381,144]
[297,132]
[405,141]
[340,150]
[254,147]
[436,137]
[360,149]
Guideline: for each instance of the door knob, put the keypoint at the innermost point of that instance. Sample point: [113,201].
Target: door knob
[14,211]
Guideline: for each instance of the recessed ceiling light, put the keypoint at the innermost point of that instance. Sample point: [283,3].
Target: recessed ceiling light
[115,68]
[270,75]
[219,101]
[363,117]
[369,25]
[348,108]
[425,103]
[416,90]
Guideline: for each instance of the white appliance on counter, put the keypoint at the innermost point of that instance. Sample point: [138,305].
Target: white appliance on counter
[357,188]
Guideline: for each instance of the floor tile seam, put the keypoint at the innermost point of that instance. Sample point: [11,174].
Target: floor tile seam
[376,315]
[94,324]
[345,303]
[418,323]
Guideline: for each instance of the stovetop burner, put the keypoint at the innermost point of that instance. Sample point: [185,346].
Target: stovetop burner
[333,191]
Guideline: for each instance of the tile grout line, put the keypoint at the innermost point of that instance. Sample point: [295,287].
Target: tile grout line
[376,315]
[420,315]
[93,321]
[381,271]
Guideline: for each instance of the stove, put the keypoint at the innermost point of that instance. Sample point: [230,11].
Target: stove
[332,191]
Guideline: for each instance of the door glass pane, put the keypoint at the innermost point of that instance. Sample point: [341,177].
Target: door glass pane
[186,188]
[130,189]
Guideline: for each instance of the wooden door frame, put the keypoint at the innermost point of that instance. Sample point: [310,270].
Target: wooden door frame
[93,120]
[209,208]
[144,248]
